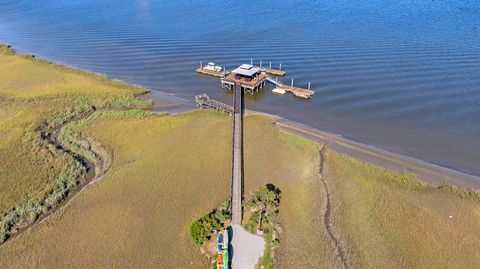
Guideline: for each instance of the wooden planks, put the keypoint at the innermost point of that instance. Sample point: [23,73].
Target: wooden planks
[210,72]
[297,91]
[274,72]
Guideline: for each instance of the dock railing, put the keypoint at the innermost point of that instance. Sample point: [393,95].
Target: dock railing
[204,101]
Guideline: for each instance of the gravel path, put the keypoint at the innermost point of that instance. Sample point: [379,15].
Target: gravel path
[247,248]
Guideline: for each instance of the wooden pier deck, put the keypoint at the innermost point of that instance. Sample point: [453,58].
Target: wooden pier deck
[209,72]
[248,85]
[274,72]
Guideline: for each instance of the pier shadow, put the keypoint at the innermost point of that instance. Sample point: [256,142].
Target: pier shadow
[231,251]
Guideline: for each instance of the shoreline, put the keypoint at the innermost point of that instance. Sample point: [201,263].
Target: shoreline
[428,173]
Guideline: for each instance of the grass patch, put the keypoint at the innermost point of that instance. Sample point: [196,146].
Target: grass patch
[166,171]
[390,220]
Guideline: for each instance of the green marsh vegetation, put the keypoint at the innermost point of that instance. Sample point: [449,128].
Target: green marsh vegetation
[37,97]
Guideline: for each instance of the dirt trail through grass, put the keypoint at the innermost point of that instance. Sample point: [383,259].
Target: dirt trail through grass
[339,249]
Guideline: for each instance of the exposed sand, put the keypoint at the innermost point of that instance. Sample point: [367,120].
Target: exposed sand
[165,102]
[429,173]
[247,248]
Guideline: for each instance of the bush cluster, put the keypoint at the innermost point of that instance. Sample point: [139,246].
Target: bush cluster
[202,229]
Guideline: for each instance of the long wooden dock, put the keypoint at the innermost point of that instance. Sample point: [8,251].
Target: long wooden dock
[205,102]
[237,173]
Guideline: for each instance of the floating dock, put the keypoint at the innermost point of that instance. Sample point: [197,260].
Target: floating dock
[297,91]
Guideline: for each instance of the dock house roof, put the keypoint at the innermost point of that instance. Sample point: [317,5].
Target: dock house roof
[246,70]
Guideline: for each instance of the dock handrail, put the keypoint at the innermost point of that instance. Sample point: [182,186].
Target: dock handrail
[272,80]
[204,101]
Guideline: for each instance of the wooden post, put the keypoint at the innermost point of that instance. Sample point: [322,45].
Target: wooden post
[260,63]
[280,66]
[309,85]
[201,66]
[292,82]
[270,65]
[251,61]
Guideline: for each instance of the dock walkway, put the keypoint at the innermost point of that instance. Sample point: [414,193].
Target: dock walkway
[237,159]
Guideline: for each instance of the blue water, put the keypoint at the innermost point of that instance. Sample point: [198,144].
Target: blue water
[403,75]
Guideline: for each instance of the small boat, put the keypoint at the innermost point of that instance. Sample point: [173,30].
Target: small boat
[211,66]
[279,91]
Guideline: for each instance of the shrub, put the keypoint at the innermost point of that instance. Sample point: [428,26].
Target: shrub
[202,229]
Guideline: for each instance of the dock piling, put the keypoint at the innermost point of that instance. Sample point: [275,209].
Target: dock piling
[270,65]
[280,66]
[201,66]
[292,83]
[251,61]
[260,64]
[309,85]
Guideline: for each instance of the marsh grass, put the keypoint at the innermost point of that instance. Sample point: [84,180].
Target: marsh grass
[166,171]
[391,220]
[36,97]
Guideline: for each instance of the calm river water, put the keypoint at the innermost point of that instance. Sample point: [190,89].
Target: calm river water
[403,75]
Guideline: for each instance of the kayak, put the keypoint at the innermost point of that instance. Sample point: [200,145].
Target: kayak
[226,259]
[219,261]
[220,242]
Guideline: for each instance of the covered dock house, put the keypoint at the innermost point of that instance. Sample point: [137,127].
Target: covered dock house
[249,77]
